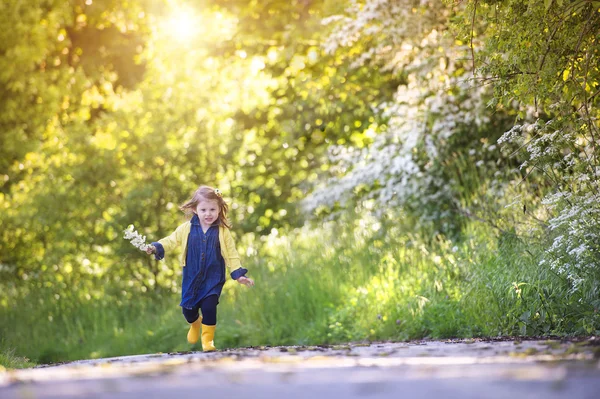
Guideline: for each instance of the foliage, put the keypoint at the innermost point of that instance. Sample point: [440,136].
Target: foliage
[60,59]
[8,360]
[544,56]
[446,151]
[436,124]
[355,279]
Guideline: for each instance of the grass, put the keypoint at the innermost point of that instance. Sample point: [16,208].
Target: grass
[344,281]
[9,360]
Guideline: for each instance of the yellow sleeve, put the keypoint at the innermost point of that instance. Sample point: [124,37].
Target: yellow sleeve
[173,240]
[232,257]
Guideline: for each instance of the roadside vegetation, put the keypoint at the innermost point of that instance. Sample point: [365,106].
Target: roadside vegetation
[396,169]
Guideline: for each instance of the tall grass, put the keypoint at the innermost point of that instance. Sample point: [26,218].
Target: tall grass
[358,282]
[349,280]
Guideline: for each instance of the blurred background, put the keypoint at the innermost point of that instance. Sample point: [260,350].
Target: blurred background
[395,169]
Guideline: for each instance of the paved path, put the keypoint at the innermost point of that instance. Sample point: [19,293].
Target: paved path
[425,369]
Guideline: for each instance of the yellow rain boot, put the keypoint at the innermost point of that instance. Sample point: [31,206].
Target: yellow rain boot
[194,332]
[208,336]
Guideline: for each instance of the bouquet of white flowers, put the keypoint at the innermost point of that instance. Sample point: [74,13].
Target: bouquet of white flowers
[138,240]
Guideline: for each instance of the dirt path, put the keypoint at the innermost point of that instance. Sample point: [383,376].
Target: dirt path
[425,369]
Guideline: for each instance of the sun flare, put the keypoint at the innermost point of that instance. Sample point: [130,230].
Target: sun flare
[183,24]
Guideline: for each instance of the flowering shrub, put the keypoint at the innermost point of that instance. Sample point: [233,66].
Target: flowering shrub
[554,151]
[575,250]
[557,144]
[437,120]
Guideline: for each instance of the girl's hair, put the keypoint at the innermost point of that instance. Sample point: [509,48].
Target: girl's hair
[210,194]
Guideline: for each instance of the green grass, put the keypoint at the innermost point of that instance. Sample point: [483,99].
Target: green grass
[9,360]
[341,282]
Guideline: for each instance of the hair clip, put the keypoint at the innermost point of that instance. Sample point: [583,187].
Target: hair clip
[218,192]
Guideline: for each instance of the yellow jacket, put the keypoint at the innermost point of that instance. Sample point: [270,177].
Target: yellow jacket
[180,237]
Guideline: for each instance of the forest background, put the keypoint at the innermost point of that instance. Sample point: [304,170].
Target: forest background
[395,169]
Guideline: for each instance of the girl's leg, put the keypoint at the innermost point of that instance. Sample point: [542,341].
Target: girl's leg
[195,320]
[209,322]
[209,310]
[191,315]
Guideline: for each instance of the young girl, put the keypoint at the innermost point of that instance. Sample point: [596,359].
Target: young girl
[207,248]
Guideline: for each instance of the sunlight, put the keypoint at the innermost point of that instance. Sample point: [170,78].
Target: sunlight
[183,24]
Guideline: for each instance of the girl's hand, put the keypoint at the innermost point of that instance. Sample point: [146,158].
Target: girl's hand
[246,281]
[151,249]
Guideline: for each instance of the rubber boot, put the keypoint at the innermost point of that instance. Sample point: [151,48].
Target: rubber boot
[194,332]
[208,337]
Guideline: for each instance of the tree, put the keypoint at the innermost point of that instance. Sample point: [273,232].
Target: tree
[545,57]
[437,124]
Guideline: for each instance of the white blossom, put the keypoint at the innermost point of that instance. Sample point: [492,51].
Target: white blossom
[136,239]
[574,250]
[426,113]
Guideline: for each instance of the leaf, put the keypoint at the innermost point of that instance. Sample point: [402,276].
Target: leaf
[547,4]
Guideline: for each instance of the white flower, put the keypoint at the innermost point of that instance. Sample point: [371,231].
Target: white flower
[138,240]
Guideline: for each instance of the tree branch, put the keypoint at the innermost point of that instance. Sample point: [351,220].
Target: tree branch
[472,30]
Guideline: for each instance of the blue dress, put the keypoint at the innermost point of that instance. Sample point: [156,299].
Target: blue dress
[204,273]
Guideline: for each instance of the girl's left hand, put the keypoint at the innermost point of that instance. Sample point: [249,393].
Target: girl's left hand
[246,281]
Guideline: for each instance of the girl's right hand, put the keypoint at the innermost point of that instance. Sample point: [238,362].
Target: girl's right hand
[151,249]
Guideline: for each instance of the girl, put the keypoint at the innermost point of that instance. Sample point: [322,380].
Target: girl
[207,248]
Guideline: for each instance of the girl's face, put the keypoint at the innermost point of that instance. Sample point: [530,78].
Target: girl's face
[207,211]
